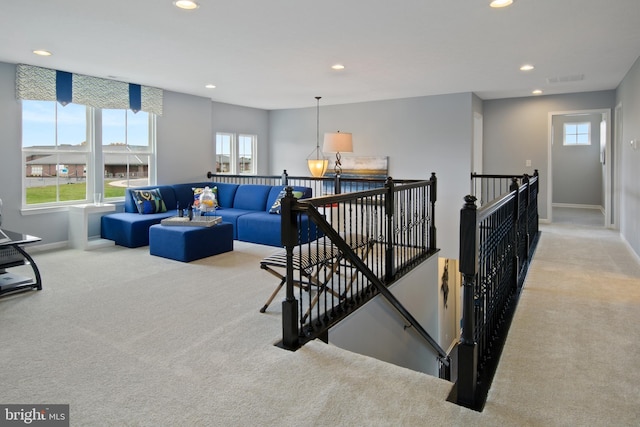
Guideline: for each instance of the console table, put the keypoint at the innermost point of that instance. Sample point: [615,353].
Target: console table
[12,255]
[79,226]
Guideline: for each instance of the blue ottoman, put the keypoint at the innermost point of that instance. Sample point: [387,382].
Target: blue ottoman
[190,243]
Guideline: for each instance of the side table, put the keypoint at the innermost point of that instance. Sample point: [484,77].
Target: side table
[12,255]
[79,216]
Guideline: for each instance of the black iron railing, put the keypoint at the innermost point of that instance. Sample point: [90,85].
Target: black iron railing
[487,187]
[369,240]
[496,245]
[321,186]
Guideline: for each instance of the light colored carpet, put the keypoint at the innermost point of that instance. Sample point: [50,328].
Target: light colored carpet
[588,217]
[130,339]
[572,354]
[126,338]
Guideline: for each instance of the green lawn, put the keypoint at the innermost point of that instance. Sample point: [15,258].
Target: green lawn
[68,192]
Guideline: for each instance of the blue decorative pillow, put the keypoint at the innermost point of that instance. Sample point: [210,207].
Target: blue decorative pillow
[276,208]
[149,201]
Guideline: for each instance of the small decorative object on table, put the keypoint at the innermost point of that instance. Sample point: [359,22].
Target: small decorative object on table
[203,221]
[207,201]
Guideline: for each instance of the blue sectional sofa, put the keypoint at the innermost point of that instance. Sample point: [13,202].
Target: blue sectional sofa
[245,206]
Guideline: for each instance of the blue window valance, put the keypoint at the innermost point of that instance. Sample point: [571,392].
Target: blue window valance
[44,84]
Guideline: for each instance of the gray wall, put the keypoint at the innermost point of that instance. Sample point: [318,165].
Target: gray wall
[53,227]
[577,171]
[237,119]
[184,139]
[187,130]
[628,96]
[419,135]
[516,130]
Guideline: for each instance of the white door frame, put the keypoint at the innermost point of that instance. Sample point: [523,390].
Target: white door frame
[476,157]
[617,132]
[606,114]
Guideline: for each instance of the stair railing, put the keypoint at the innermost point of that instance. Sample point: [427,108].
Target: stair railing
[488,187]
[370,239]
[497,242]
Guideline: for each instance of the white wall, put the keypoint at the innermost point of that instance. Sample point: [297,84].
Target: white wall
[628,95]
[419,135]
[377,329]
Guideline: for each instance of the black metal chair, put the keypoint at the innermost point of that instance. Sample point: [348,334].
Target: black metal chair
[311,260]
[317,262]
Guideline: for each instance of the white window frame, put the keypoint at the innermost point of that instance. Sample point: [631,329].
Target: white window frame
[93,153]
[253,143]
[571,139]
[233,140]
[221,138]
[85,153]
[130,154]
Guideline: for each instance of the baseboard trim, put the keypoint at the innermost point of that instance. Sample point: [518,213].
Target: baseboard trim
[628,245]
[571,205]
[47,247]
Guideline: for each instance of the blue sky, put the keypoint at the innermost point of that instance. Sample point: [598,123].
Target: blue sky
[38,129]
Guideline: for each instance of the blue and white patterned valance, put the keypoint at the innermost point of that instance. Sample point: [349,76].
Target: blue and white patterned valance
[44,84]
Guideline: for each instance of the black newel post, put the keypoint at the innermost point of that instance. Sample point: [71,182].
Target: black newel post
[468,348]
[389,206]
[434,197]
[289,232]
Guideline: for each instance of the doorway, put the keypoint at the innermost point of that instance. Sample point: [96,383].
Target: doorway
[580,170]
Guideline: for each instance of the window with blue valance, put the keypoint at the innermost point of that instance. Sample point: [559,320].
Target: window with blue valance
[44,84]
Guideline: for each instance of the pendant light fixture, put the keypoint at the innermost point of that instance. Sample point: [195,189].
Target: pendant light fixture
[316,161]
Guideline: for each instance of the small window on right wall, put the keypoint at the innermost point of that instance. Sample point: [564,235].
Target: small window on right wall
[577,133]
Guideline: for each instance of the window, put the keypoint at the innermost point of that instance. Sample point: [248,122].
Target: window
[236,155]
[55,152]
[246,154]
[577,134]
[62,162]
[224,142]
[127,150]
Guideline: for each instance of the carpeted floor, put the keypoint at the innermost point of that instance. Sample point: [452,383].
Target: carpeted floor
[126,338]
[587,217]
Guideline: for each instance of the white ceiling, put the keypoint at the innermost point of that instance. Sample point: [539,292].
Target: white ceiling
[277,54]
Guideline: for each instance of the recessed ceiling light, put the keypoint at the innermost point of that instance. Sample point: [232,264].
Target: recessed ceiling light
[210,86]
[186,4]
[42,52]
[338,67]
[527,67]
[537,92]
[500,3]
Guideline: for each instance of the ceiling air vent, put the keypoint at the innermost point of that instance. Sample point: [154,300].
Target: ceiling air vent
[565,79]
